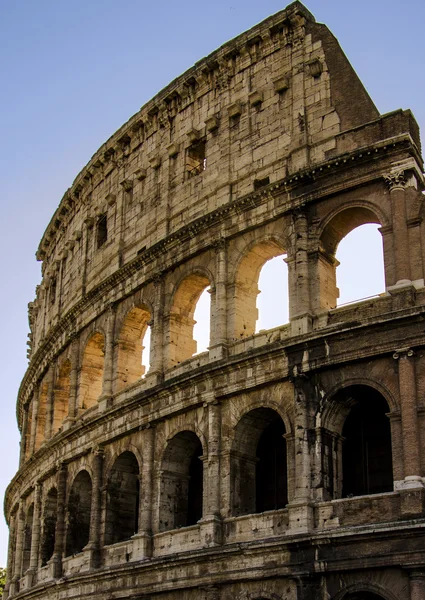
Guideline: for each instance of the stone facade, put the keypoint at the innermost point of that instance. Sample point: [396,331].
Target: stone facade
[283,465]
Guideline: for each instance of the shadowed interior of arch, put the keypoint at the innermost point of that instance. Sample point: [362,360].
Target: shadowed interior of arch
[259,463]
[181,495]
[49,526]
[26,551]
[123,492]
[78,514]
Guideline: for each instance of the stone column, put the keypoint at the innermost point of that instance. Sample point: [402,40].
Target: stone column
[108,370]
[89,221]
[33,434]
[219,315]
[24,434]
[157,333]
[417,584]
[94,542]
[73,384]
[10,555]
[35,538]
[409,416]
[143,539]
[300,306]
[300,509]
[49,402]
[60,523]
[211,523]
[17,566]
[396,183]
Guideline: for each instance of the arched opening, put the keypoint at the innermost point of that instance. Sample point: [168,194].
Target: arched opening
[133,353]
[362,246]
[122,510]
[259,463]
[49,526]
[91,376]
[367,455]
[181,341]
[26,551]
[247,289]
[78,514]
[181,495]
[360,252]
[202,318]
[273,297]
[363,596]
[41,414]
[61,395]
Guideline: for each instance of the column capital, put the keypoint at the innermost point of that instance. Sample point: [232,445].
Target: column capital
[395,180]
[219,244]
[403,353]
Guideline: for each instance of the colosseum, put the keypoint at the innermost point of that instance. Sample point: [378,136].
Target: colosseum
[284,464]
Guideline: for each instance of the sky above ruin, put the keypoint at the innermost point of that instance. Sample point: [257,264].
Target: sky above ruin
[73,72]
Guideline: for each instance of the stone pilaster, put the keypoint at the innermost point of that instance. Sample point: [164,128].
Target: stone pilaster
[35,538]
[17,565]
[94,542]
[10,552]
[35,404]
[50,402]
[409,417]
[24,434]
[300,305]
[417,584]
[219,316]
[157,335]
[73,384]
[396,183]
[108,370]
[143,538]
[211,523]
[60,523]
[300,508]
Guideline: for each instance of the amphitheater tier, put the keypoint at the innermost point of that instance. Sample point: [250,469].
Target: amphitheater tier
[282,464]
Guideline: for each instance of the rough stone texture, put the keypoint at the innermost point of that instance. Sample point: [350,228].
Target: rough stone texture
[283,465]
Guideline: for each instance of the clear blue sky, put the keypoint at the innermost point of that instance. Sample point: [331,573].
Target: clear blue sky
[73,72]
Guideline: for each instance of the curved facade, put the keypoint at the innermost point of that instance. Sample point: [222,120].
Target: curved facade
[287,464]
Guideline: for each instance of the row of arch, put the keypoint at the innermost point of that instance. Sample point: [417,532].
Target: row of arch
[133,352]
[261,460]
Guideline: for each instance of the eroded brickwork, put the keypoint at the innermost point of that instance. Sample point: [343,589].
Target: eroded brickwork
[281,465]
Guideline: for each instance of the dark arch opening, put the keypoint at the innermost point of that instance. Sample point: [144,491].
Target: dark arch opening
[367,454]
[181,498]
[79,512]
[49,526]
[122,510]
[259,463]
[363,596]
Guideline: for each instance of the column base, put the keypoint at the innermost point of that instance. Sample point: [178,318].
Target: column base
[154,378]
[30,578]
[68,423]
[56,567]
[412,501]
[403,294]
[142,545]
[105,402]
[218,351]
[95,556]
[301,517]
[301,324]
[13,587]
[211,531]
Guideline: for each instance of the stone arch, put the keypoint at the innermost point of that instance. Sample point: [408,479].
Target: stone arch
[91,374]
[78,513]
[61,392]
[130,367]
[365,591]
[259,472]
[356,418]
[338,224]
[181,344]
[27,541]
[244,313]
[181,484]
[49,526]
[123,497]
